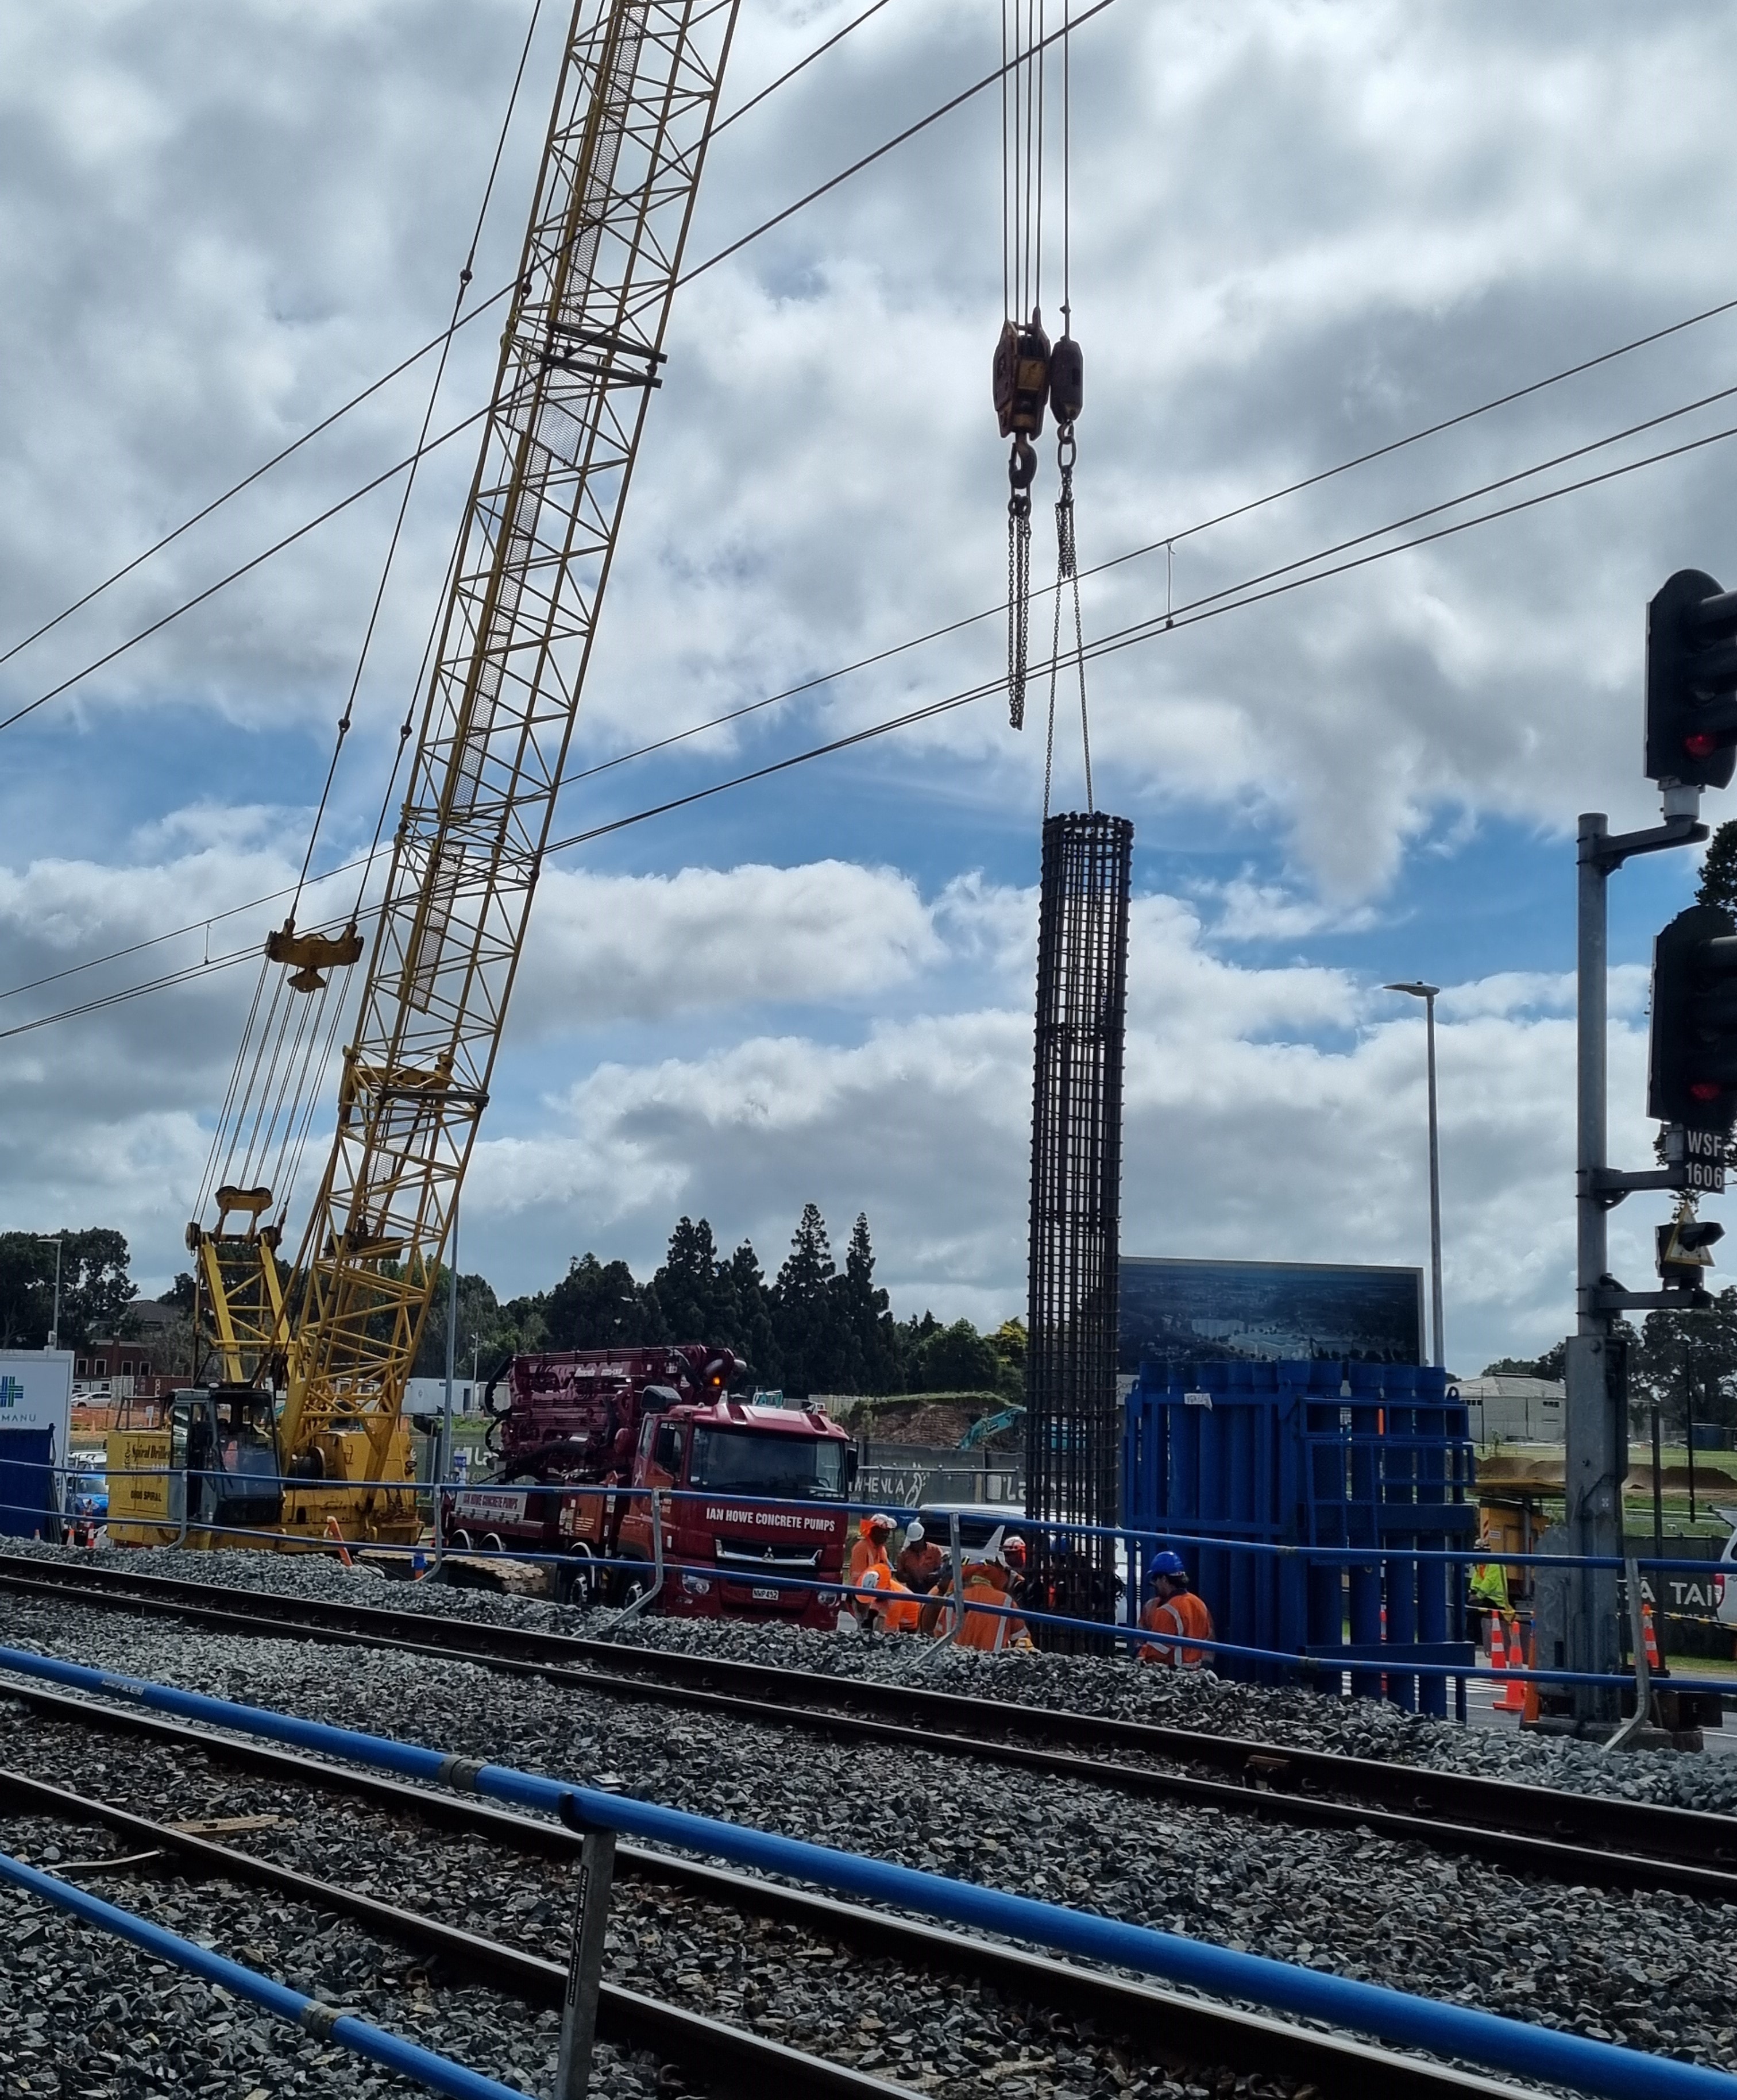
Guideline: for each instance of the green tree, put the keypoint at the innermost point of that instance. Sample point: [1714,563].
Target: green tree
[755,1335]
[812,1343]
[870,1345]
[1686,1363]
[598,1305]
[957,1359]
[95,1289]
[1553,1363]
[180,1294]
[1718,882]
[693,1287]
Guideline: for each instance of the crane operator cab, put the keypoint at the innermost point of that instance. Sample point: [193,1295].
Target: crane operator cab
[223,1460]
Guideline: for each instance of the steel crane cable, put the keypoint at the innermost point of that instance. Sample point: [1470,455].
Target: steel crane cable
[1184,615]
[286,1058]
[246,568]
[1211,605]
[437,342]
[1251,591]
[801,65]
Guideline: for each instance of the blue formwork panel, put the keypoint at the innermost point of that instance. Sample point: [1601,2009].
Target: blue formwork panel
[1302,1454]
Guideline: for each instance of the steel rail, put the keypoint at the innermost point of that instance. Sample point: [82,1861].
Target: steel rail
[704,2047]
[1576,1838]
[1185,2032]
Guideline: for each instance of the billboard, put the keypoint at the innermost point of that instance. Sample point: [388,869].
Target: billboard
[1267,1312]
[36,1392]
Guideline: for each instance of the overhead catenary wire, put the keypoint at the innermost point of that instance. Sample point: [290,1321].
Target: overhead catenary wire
[277,547]
[1187,614]
[1255,590]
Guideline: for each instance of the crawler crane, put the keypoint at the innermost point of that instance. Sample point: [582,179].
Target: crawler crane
[302,1427]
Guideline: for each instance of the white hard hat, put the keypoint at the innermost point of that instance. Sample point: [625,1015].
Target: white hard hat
[913,1532]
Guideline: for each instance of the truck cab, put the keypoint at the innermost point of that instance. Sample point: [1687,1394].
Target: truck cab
[756,1494]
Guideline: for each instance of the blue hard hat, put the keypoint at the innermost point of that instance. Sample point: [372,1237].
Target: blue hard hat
[1166,1563]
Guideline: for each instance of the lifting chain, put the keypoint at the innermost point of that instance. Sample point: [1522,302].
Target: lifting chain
[1022,467]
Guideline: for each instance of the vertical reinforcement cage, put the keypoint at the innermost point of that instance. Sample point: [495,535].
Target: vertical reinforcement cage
[1071,1427]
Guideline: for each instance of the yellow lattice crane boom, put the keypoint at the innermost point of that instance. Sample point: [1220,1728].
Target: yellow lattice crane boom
[333,1335]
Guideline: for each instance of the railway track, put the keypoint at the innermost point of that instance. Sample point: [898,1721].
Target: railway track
[1578,1838]
[1179,2031]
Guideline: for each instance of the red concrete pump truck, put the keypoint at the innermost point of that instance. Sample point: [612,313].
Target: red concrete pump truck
[567,1428]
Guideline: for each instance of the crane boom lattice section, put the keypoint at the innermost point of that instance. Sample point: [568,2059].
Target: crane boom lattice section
[580,359]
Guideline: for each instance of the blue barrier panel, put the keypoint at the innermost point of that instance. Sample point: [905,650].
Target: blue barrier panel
[1249,1459]
[27,1483]
[1393,2016]
[439,2072]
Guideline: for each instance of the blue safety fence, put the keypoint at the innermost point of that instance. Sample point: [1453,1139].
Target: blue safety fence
[1322,1667]
[1397,2017]
[391,2051]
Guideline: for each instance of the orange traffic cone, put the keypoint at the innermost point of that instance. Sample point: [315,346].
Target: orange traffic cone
[1653,1660]
[1513,1696]
[1530,1710]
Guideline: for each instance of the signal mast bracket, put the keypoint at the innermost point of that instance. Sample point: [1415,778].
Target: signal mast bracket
[1608,852]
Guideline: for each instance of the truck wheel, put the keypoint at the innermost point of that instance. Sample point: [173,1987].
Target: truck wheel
[576,1580]
[493,1542]
[461,1541]
[632,1583]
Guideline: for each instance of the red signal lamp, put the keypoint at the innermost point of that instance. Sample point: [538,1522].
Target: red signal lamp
[1700,745]
[1705,1090]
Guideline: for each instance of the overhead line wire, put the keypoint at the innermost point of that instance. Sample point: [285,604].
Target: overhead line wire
[247,481]
[1213,606]
[819,51]
[277,547]
[1187,614]
[880,151]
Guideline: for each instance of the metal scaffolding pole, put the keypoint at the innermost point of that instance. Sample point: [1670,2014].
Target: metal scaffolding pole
[1071,1429]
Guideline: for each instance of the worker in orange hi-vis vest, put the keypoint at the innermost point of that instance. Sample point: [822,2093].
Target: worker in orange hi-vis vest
[1173,1609]
[893,1607]
[995,1582]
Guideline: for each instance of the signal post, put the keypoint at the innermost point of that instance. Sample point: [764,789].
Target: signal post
[1691,744]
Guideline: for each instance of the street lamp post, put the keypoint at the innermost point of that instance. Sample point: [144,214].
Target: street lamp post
[54,1331]
[1427,992]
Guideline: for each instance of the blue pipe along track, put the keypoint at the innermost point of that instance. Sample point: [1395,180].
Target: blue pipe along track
[1395,2017]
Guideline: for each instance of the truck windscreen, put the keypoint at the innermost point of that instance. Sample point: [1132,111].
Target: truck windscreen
[745,1461]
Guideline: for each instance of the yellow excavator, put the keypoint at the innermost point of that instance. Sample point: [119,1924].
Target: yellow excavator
[298,1434]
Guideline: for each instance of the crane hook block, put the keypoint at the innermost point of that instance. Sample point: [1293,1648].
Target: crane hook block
[312,953]
[1067,381]
[1021,378]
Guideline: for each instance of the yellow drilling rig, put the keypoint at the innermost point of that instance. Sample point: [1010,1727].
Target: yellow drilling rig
[300,1429]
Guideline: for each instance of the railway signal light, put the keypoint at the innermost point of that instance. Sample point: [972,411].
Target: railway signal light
[1691,683]
[1683,1250]
[1692,1070]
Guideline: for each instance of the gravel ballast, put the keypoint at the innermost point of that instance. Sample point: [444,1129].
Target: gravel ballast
[1659,1972]
[1113,1687]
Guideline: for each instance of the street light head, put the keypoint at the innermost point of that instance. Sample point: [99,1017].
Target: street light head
[1418,991]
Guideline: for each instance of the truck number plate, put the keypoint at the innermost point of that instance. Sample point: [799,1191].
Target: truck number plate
[765,1596]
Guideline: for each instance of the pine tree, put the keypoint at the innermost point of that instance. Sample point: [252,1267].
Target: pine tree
[687,1286]
[598,1306]
[1718,883]
[806,1309]
[872,1356]
[755,1336]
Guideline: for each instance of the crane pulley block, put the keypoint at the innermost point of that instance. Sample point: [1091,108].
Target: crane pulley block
[1021,378]
[1067,381]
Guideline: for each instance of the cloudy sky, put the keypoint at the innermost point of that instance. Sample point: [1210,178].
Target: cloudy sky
[1300,232]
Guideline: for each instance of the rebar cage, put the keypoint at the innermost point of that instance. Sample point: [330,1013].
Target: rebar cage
[1071,1422]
